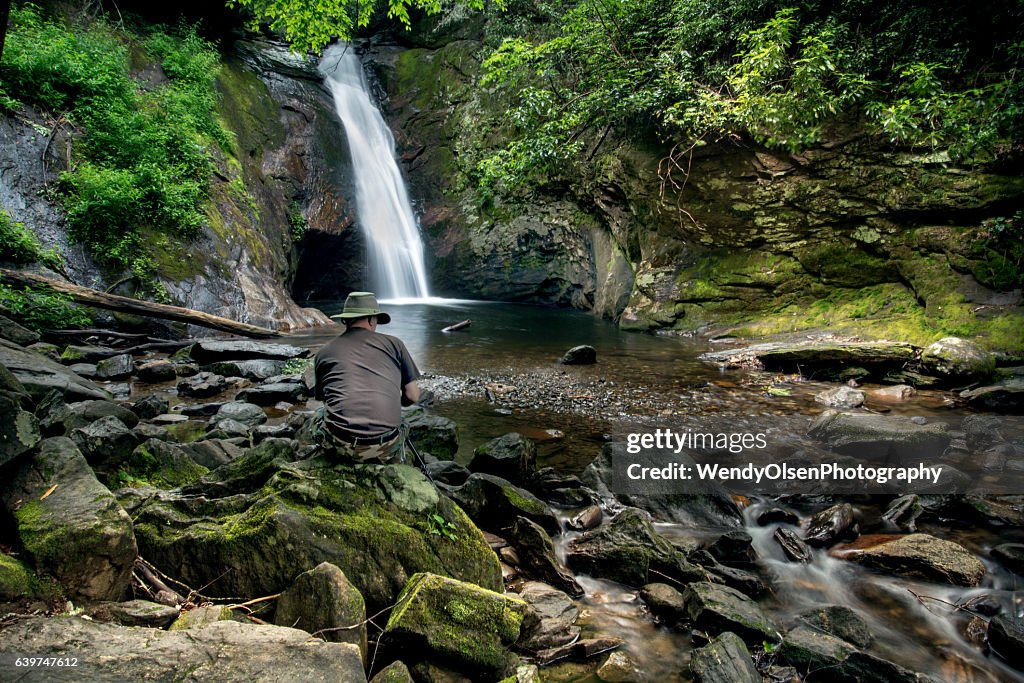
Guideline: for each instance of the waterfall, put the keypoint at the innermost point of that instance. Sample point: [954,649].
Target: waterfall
[394,248]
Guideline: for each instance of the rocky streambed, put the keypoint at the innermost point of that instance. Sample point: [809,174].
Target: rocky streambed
[166,516]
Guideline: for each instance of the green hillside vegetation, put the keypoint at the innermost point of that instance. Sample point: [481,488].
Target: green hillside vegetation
[142,154]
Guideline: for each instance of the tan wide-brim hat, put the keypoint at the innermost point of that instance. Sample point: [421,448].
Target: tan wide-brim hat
[362,305]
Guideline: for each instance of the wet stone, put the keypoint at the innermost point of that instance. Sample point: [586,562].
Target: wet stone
[664,601]
[580,355]
[1006,638]
[620,668]
[794,549]
[1011,556]
[830,526]
[203,385]
[157,371]
[777,516]
[717,609]
[246,413]
[839,621]
[116,367]
[841,397]
[724,660]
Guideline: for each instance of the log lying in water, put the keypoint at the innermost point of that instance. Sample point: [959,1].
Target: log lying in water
[458,326]
[113,302]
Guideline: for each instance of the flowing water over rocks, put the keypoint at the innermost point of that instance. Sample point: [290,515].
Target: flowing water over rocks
[224,494]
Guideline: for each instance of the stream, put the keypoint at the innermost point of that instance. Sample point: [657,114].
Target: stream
[641,382]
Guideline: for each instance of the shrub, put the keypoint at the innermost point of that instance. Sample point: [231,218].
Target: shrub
[39,308]
[19,245]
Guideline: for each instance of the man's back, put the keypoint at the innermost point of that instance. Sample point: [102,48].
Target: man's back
[360,376]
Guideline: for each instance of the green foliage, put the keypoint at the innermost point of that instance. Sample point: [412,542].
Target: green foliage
[144,161]
[20,245]
[39,308]
[687,72]
[309,25]
[1002,252]
[439,526]
[297,223]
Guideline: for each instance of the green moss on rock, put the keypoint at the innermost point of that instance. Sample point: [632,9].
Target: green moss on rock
[459,624]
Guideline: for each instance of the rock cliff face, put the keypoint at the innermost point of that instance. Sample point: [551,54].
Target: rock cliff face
[287,174]
[750,240]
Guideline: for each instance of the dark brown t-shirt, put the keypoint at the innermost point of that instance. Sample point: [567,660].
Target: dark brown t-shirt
[359,377]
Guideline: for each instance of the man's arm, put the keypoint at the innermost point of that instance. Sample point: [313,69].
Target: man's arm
[410,393]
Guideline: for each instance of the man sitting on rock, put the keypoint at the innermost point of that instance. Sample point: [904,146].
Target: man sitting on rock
[364,378]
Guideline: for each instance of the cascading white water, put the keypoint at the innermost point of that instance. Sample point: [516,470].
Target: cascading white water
[395,251]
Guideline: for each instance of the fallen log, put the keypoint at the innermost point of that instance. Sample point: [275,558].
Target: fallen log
[113,302]
[458,326]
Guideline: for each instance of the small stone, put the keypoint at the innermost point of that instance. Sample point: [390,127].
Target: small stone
[203,385]
[169,419]
[664,601]
[830,525]
[620,668]
[589,518]
[157,371]
[841,397]
[87,370]
[919,420]
[794,549]
[717,609]
[893,394]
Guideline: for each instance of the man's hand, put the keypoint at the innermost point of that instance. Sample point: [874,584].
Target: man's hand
[410,393]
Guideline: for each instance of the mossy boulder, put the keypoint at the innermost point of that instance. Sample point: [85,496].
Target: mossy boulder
[958,359]
[493,503]
[157,463]
[16,580]
[323,599]
[456,624]
[251,526]
[69,523]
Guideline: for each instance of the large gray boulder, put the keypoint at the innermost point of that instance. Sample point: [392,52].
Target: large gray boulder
[40,375]
[323,601]
[556,616]
[537,559]
[257,370]
[431,433]
[881,439]
[958,360]
[106,439]
[78,533]
[15,333]
[225,651]
[212,351]
[247,413]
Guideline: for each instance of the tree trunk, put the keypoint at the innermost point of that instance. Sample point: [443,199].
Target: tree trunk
[92,297]
[5,16]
